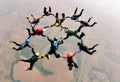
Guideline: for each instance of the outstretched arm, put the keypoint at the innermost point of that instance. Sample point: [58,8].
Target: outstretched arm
[74,53]
[33,51]
[50,40]
[64,57]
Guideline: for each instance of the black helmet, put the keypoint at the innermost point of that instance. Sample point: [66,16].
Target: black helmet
[55,39]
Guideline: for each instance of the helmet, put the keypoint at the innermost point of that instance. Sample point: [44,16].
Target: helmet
[38,30]
[44,29]
[55,39]
[27,40]
[69,55]
[56,24]
[37,54]
[66,30]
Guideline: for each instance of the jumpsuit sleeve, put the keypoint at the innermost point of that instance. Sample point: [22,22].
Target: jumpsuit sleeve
[50,40]
[74,54]
[60,42]
[29,46]
[33,51]
[40,57]
[64,57]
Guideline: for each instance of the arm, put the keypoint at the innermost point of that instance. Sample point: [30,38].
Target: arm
[29,46]
[64,57]
[74,53]
[60,42]
[50,40]
[33,51]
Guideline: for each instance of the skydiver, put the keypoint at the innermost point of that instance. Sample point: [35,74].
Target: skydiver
[54,47]
[74,16]
[33,59]
[86,23]
[58,22]
[35,20]
[21,46]
[70,61]
[84,48]
[47,13]
[71,32]
[37,31]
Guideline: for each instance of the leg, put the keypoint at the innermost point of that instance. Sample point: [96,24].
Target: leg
[63,18]
[44,10]
[56,15]
[17,49]
[56,54]
[87,51]
[28,20]
[70,65]
[79,29]
[80,13]
[75,10]
[31,65]
[89,19]
[93,24]
[93,47]
[75,64]
[67,36]
[15,43]
[81,35]
[32,16]
[28,32]
[49,9]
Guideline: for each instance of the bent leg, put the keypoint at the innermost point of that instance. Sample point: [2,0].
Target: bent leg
[76,10]
[93,47]
[15,43]
[89,19]
[67,36]
[80,13]
[93,24]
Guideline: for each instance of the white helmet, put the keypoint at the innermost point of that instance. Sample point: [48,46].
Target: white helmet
[44,29]
[37,54]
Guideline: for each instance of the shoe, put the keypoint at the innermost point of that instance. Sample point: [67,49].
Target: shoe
[75,65]
[47,56]
[27,17]
[26,69]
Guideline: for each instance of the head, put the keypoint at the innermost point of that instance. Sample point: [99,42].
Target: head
[69,55]
[37,54]
[55,39]
[66,30]
[44,30]
[27,41]
[78,44]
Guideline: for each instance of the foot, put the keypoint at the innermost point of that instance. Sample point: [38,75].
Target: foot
[12,41]
[27,17]
[26,69]
[47,56]
[19,59]
[76,66]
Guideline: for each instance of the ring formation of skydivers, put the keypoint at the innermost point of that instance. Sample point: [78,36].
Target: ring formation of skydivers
[55,42]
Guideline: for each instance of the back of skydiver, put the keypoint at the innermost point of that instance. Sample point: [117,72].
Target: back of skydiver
[21,46]
[86,23]
[54,47]
[47,13]
[33,59]
[70,60]
[84,48]
[74,16]
[58,22]
[71,32]
[38,31]
[35,20]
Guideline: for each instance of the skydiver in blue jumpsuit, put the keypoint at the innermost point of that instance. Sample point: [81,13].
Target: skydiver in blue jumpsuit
[54,47]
